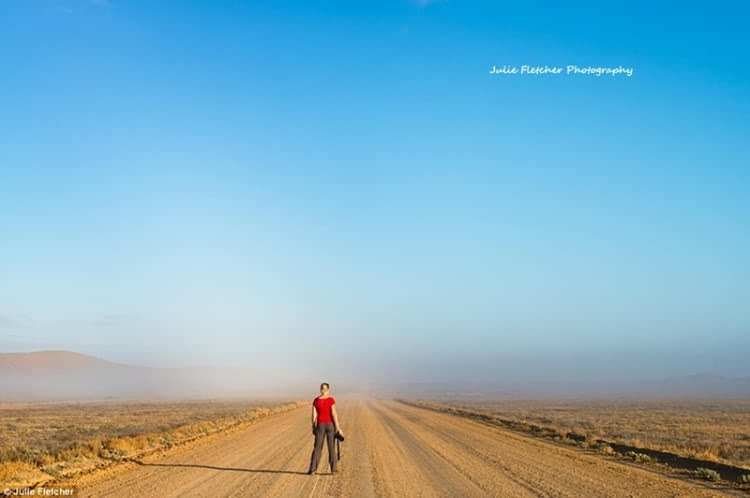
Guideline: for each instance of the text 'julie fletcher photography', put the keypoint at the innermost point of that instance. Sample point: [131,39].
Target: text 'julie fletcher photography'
[572,70]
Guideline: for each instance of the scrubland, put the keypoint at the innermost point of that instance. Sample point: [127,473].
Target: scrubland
[716,430]
[44,441]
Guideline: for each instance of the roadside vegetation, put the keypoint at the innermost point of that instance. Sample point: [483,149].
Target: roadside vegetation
[716,430]
[703,439]
[43,442]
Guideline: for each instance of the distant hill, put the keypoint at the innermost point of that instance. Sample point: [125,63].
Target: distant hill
[56,362]
[67,375]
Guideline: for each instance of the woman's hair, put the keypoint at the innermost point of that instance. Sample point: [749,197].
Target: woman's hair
[325,384]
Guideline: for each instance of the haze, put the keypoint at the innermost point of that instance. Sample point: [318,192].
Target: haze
[343,193]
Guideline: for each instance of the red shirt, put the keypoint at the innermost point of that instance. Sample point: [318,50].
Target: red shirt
[323,407]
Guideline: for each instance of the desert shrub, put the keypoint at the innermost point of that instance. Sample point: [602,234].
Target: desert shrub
[36,457]
[116,446]
[640,457]
[44,458]
[91,448]
[168,440]
[707,454]
[707,474]
[604,448]
[53,470]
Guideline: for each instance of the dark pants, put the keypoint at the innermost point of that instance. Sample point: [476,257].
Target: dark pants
[327,432]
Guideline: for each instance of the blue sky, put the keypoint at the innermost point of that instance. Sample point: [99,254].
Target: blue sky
[214,181]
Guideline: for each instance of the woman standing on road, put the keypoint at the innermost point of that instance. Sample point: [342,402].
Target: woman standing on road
[325,425]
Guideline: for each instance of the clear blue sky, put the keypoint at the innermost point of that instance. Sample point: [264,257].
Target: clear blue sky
[219,180]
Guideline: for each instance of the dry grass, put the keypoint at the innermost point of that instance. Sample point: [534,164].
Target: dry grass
[714,430]
[45,441]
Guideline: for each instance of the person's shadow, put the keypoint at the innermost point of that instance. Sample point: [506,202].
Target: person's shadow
[211,467]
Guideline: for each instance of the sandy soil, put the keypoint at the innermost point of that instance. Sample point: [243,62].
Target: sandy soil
[391,450]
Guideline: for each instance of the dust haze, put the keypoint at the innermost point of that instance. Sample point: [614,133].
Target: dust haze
[61,375]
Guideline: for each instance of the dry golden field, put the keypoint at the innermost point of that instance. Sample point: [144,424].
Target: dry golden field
[708,429]
[42,441]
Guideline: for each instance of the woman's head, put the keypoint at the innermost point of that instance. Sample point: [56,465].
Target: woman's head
[324,388]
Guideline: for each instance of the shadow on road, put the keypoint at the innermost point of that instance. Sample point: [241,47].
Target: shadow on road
[260,471]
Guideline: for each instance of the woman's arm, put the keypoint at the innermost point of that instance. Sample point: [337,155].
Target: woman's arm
[336,420]
[314,416]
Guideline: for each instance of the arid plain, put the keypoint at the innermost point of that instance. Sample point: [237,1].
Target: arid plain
[392,449]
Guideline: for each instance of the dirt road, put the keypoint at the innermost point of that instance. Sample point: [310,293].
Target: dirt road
[391,450]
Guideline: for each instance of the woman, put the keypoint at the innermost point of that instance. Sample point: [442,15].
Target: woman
[325,425]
